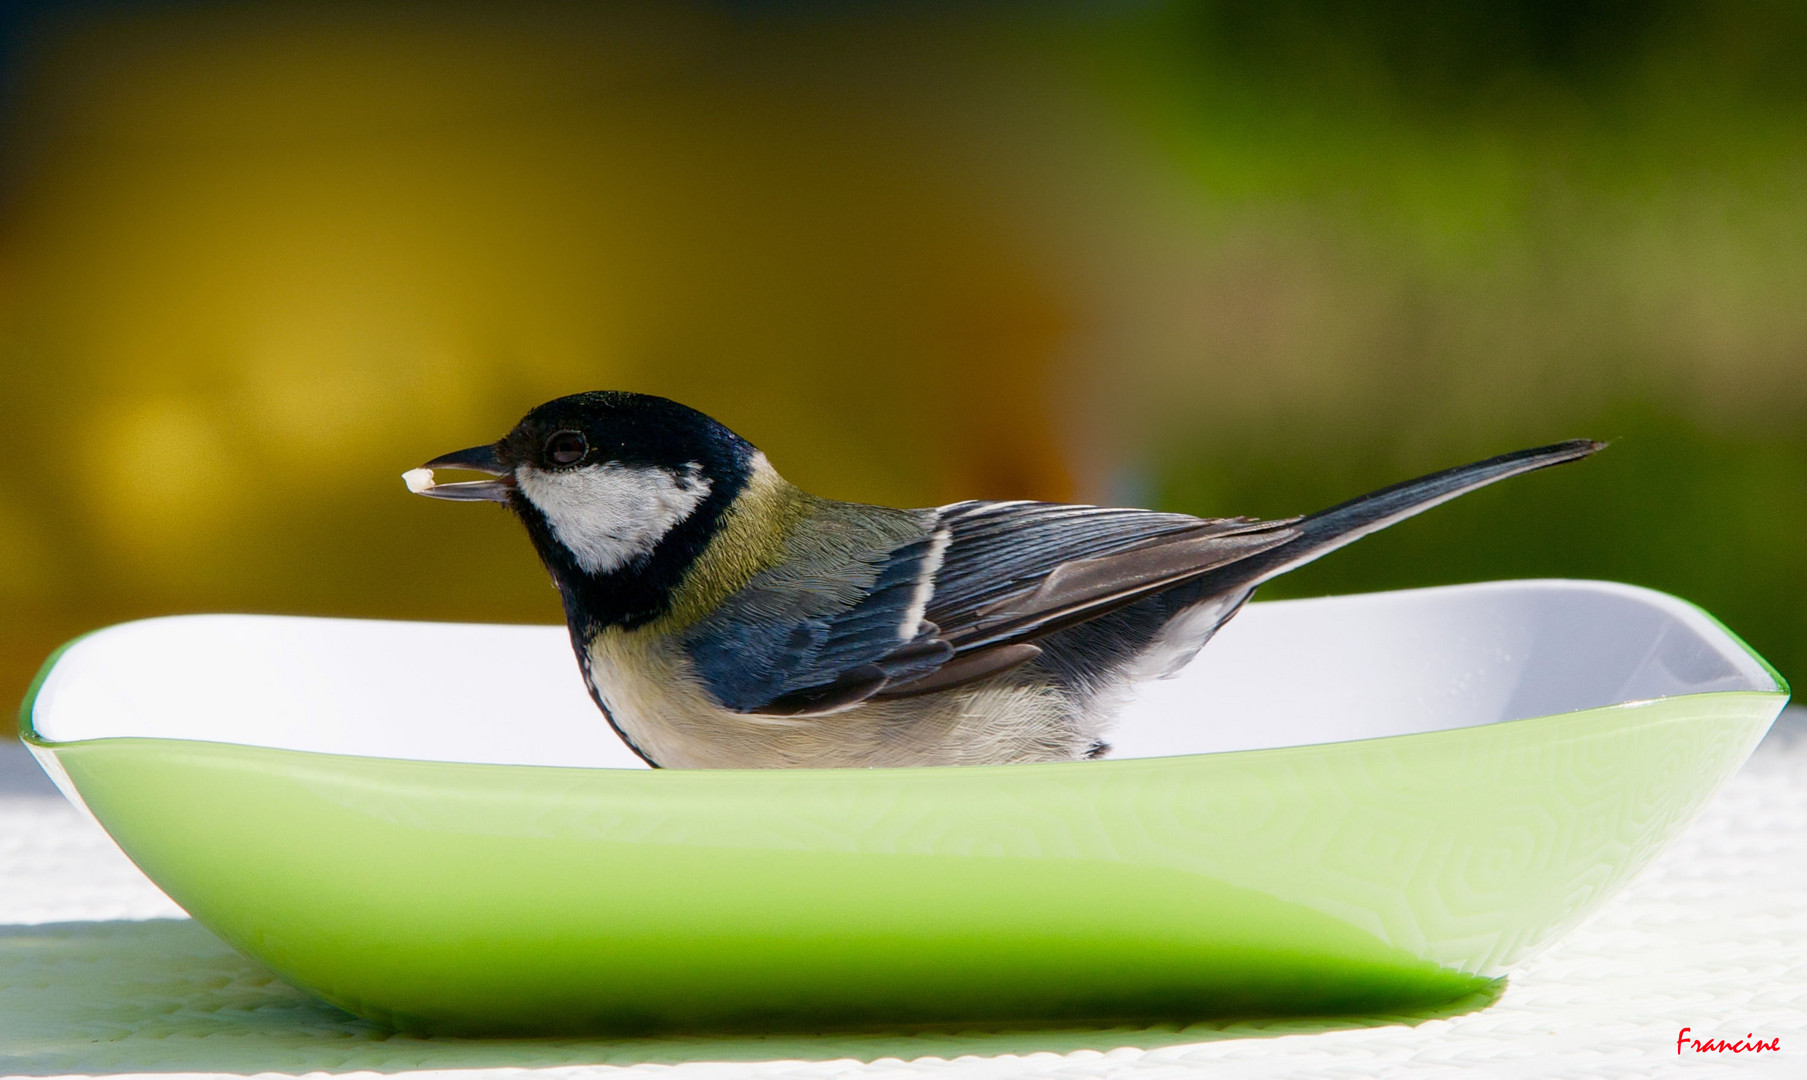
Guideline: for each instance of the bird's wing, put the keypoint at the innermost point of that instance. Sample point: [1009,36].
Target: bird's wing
[1014,571]
[832,624]
[960,600]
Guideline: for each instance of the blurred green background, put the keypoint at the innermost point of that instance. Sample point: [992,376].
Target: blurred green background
[1227,257]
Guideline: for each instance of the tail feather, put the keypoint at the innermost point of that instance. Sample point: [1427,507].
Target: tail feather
[1345,523]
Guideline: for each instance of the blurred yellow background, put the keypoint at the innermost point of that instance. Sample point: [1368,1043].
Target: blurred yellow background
[1218,257]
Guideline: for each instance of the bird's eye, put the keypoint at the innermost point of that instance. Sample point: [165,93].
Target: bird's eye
[566,447]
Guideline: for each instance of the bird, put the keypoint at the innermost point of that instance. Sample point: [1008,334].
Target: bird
[725,618]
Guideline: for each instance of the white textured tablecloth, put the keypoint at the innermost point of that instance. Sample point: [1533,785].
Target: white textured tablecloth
[100,974]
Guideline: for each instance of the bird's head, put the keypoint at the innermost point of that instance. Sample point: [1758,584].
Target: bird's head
[619,492]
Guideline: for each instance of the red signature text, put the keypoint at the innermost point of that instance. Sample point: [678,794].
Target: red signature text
[1749,1043]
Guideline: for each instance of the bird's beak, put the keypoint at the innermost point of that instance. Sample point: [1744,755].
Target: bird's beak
[477,459]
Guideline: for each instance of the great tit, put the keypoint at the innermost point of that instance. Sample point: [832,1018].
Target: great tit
[725,618]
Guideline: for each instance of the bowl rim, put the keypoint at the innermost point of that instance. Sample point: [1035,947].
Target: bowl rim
[44,747]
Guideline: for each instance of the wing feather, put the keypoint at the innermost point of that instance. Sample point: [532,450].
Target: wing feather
[956,602]
[826,629]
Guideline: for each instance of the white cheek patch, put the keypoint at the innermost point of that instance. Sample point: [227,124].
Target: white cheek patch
[608,515]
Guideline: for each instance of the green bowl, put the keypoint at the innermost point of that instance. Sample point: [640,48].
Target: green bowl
[1344,804]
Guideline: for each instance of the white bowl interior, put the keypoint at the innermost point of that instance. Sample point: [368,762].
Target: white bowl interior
[1280,674]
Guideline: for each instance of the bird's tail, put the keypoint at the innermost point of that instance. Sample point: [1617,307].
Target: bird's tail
[1327,530]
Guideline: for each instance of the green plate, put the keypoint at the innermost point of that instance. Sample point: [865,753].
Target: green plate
[1345,804]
